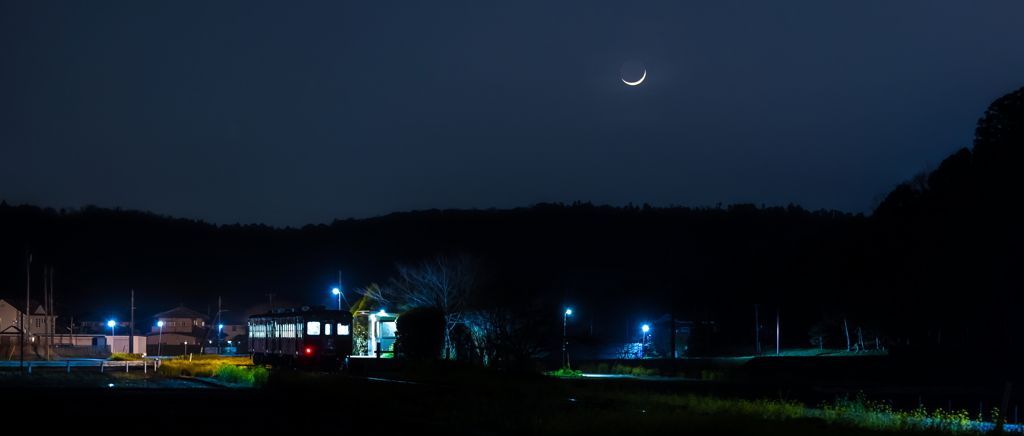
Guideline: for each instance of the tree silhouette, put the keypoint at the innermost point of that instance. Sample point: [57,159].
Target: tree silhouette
[420,333]
[443,283]
[1000,133]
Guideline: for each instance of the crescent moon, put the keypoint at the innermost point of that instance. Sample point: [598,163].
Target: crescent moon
[637,82]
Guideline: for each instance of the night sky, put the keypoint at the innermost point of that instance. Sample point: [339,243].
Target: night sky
[289,113]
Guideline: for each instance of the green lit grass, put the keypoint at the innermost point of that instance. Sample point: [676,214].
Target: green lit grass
[127,356]
[199,366]
[877,415]
[235,375]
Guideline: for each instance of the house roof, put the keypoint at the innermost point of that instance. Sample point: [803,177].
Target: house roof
[35,308]
[667,317]
[197,332]
[181,312]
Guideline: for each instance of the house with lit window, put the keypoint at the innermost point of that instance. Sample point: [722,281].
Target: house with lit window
[37,322]
[177,331]
[234,334]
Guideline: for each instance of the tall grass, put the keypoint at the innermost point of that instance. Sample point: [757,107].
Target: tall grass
[879,415]
[249,377]
[126,356]
[619,369]
[468,399]
[199,366]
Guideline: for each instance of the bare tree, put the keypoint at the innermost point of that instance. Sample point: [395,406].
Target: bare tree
[517,331]
[383,295]
[443,283]
[919,181]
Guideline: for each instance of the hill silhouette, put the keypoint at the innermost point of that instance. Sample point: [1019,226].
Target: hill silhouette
[938,254]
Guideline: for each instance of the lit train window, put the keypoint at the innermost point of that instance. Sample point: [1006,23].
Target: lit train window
[313,328]
[327,328]
[342,329]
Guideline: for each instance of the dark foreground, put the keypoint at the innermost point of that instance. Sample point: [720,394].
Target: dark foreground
[440,401]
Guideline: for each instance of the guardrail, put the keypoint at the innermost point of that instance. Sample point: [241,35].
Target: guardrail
[102,364]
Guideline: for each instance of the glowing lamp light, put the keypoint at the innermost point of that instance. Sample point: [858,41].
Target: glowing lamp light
[309,351]
[568,311]
[382,313]
[646,328]
[336,291]
[160,324]
[220,326]
[111,323]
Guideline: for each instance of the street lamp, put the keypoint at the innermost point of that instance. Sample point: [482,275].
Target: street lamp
[643,340]
[160,342]
[220,341]
[565,321]
[111,324]
[338,293]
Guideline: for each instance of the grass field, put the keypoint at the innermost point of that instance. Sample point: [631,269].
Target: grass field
[471,399]
[236,371]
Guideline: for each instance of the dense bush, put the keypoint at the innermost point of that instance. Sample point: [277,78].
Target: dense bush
[251,377]
[619,369]
[126,356]
[420,334]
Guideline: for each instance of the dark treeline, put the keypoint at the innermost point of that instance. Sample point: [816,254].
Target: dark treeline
[940,254]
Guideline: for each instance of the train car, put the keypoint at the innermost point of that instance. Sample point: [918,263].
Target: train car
[306,338]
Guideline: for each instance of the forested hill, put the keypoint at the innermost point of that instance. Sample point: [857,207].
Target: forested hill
[611,255]
[940,253]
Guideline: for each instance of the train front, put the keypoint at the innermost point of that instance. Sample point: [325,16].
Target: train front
[326,341]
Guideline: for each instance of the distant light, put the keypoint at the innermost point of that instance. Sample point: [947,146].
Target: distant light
[111,323]
[221,326]
[336,291]
[160,324]
[568,311]
[309,351]
[646,328]
[382,313]
[110,385]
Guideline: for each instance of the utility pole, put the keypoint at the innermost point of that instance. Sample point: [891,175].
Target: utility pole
[24,316]
[757,332]
[47,284]
[341,292]
[672,294]
[46,307]
[219,321]
[50,319]
[776,331]
[131,326]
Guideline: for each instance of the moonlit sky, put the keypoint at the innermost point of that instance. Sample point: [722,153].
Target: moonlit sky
[289,113]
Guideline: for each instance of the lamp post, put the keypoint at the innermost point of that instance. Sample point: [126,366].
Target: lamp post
[160,342]
[565,322]
[338,293]
[220,340]
[643,339]
[111,324]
